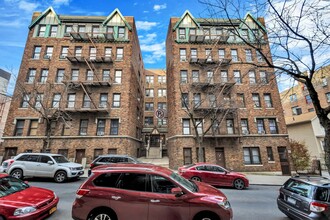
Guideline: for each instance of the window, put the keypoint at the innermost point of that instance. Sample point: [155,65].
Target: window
[77,51]
[234,56]
[33,127]
[260,58]
[185,126]
[207,33]
[42,31]
[248,55]
[193,54]
[133,181]
[19,127]
[121,32]
[212,101]
[311,110]
[44,75]
[162,79]
[149,106]
[83,127]
[182,33]
[324,81]
[150,79]
[95,31]
[89,75]
[148,121]
[71,100]
[263,77]
[100,127]
[120,53]
[25,101]
[49,52]
[199,125]
[308,99]
[56,100]
[114,127]
[103,100]
[192,31]
[244,34]
[31,76]
[184,100]
[237,76]
[327,95]
[86,101]
[116,100]
[195,76]
[81,29]
[244,126]
[296,110]
[221,53]
[39,99]
[256,100]
[59,75]
[251,155]
[108,52]
[53,30]
[64,52]
[106,75]
[74,75]
[268,100]
[224,76]
[92,53]
[260,126]
[36,53]
[293,98]
[241,100]
[68,29]
[161,121]
[230,126]
[161,92]
[208,55]
[210,77]
[150,92]
[183,55]
[184,76]
[272,126]
[252,77]
[197,100]
[270,155]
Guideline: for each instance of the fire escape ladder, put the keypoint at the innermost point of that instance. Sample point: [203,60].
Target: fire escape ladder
[87,93]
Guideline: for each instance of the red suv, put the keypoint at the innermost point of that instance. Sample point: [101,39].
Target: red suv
[146,191]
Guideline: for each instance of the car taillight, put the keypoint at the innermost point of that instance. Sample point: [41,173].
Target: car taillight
[81,192]
[318,207]
[92,165]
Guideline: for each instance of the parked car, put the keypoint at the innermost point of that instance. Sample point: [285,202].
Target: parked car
[111,158]
[214,175]
[305,198]
[18,200]
[5,164]
[146,191]
[45,165]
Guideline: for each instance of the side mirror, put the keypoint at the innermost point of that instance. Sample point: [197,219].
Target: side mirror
[177,191]
[50,162]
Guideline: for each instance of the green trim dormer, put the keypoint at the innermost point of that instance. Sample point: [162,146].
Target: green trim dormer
[186,13]
[254,19]
[43,14]
[116,11]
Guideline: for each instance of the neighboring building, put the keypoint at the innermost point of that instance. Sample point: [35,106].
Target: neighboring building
[4,100]
[155,114]
[204,55]
[85,75]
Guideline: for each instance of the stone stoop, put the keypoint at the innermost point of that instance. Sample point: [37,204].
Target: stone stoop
[154,153]
[164,162]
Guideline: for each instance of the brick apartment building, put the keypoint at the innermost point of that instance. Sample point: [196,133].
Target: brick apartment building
[155,114]
[5,100]
[80,88]
[208,71]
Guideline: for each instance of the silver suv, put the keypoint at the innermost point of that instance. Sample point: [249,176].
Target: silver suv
[44,165]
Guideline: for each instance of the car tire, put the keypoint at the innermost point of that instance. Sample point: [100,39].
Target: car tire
[196,178]
[60,176]
[206,216]
[102,214]
[239,184]
[17,173]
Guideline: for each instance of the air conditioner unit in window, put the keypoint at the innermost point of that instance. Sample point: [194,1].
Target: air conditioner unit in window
[62,57]
[66,34]
[245,132]
[100,133]
[47,57]
[262,132]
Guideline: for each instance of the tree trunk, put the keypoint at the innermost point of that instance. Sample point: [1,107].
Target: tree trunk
[200,152]
[46,143]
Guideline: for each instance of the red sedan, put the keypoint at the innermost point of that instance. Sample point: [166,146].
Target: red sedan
[18,200]
[214,175]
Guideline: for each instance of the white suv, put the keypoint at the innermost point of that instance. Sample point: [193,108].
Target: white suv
[44,165]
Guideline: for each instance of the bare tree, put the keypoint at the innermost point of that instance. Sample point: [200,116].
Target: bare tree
[298,33]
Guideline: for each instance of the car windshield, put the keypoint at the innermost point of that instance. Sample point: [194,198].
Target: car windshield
[61,159]
[191,186]
[10,185]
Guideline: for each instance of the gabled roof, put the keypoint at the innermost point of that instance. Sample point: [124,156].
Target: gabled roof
[182,17]
[121,16]
[43,14]
[255,20]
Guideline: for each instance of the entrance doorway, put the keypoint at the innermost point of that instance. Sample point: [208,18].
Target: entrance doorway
[285,165]
[220,157]
[80,154]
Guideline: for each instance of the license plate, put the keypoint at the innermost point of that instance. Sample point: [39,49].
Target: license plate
[52,210]
[292,201]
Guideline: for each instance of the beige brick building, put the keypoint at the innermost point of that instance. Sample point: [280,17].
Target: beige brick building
[209,76]
[83,78]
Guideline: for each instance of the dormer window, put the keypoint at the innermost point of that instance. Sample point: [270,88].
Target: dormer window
[42,30]
[121,32]
[182,33]
[53,30]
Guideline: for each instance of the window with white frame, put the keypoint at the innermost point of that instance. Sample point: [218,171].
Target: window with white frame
[234,56]
[68,29]
[244,34]
[161,121]
[74,75]
[251,155]
[270,155]
[49,52]
[59,75]
[103,100]
[260,126]
[56,100]
[183,76]
[42,30]
[86,101]
[64,52]
[199,125]
[121,32]
[224,76]
[95,31]
[118,74]
[110,29]
[272,126]
[237,76]
[161,105]
[120,53]
[71,100]
[161,92]
[268,100]
[161,79]
[114,126]
[248,55]
[33,127]
[195,76]
[221,53]
[252,77]
[293,97]
[92,53]
[230,126]
[184,100]
[193,54]
[39,100]
[182,33]
[185,126]
[183,55]
[150,92]
[244,126]
[212,100]
[100,129]
[83,127]
[89,75]
[263,77]
[197,100]
[208,55]
[150,79]
[210,78]
[81,29]
[149,106]
[116,100]
[44,75]
[78,51]
[53,30]
[148,121]
[31,76]
[108,52]
[260,58]
[106,75]
[256,100]
[19,127]
[25,100]
[36,53]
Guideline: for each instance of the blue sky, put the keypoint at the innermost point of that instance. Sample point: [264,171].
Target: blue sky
[152,19]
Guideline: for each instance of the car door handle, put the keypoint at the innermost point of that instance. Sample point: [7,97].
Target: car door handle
[116,197]
[154,200]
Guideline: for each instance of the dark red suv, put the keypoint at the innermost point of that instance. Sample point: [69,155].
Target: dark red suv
[146,191]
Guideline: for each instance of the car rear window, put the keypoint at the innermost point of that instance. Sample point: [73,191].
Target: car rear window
[301,188]
[322,194]
[107,180]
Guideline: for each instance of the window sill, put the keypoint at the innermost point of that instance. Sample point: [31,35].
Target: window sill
[253,165]
[272,162]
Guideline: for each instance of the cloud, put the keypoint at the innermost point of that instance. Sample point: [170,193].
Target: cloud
[154,52]
[149,38]
[145,25]
[61,2]
[27,6]
[12,44]
[159,7]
